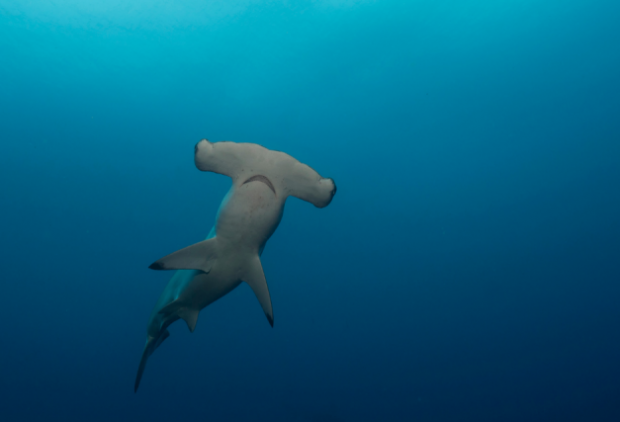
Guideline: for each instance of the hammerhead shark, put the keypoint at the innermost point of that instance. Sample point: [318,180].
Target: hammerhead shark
[249,214]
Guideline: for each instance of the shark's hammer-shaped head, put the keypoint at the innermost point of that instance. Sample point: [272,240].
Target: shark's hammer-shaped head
[326,188]
[203,152]
[285,175]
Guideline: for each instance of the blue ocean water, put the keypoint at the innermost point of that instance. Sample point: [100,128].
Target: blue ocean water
[468,268]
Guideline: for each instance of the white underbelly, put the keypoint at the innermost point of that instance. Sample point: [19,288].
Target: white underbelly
[249,216]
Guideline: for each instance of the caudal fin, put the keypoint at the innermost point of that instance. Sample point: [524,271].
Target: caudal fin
[145,356]
[149,348]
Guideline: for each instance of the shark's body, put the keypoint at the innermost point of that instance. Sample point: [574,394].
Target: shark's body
[248,216]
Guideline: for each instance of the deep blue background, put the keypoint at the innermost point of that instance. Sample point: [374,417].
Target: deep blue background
[467,270]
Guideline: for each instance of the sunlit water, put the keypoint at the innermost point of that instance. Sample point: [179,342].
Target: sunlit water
[468,268]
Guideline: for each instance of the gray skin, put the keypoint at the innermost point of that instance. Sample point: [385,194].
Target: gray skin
[262,179]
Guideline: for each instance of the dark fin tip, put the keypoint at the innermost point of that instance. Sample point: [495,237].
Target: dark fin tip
[270,319]
[156,266]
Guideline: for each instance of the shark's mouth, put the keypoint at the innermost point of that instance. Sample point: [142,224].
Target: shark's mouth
[261,178]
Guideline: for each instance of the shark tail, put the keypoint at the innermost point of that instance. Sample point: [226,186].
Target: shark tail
[151,344]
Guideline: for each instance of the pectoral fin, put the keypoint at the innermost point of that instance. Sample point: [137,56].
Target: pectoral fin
[199,256]
[255,277]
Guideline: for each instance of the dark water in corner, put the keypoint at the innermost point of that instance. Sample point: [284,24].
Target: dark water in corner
[467,270]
